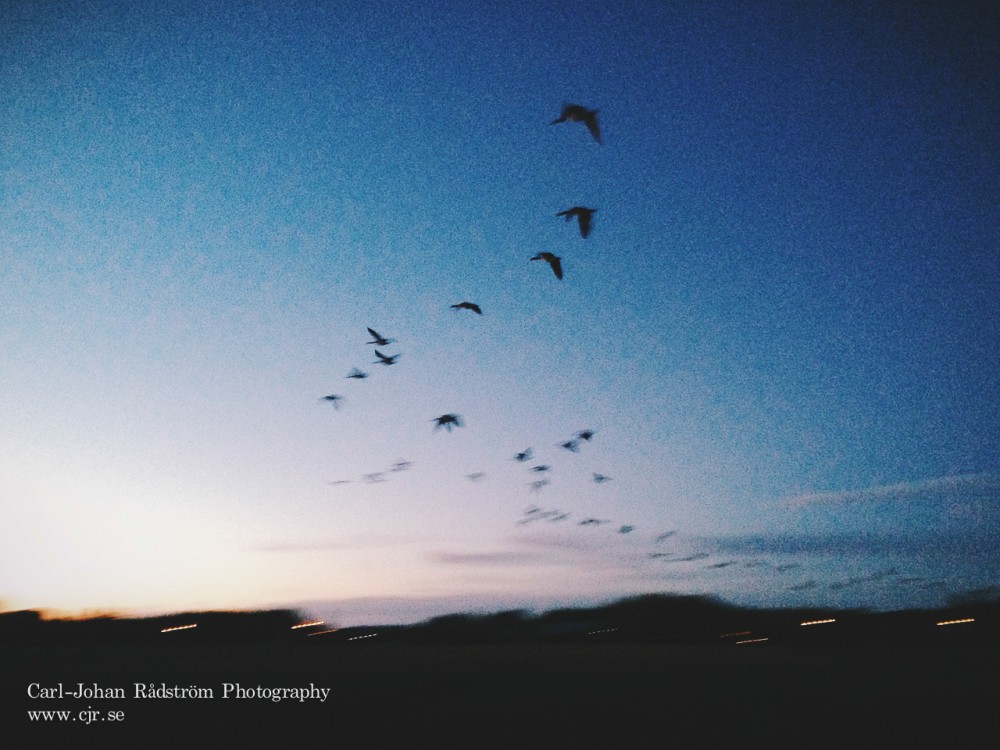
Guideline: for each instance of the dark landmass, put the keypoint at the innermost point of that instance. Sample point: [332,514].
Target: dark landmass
[650,668]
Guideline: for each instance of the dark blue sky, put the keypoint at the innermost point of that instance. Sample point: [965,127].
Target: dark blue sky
[783,327]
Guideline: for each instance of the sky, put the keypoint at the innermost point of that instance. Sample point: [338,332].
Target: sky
[782,331]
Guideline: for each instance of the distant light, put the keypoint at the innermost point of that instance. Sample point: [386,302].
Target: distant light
[817,622]
[309,624]
[752,640]
[956,622]
[179,627]
[733,635]
[606,630]
[360,637]
[323,632]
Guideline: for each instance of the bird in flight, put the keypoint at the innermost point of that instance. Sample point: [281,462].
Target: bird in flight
[333,399]
[552,260]
[384,359]
[583,217]
[468,306]
[540,468]
[571,445]
[357,374]
[523,455]
[593,522]
[576,113]
[447,421]
[378,339]
[585,434]
[401,465]
[475,476]
[601,478]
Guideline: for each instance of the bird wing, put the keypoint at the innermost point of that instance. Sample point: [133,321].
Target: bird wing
[584,217]
[591,120]
[556,267]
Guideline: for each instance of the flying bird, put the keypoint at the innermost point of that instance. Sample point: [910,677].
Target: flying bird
[585,434]
[576,113]
[447,421]
[552,260]
[626,529]
[583,217]
[468,306]
[384,359]
[540,468]
[538,484]
[523,455]
[357,374]
[401,465]
[593,522]
[601,478]
[333,399]
[571,445]
[378,339]
[475,476]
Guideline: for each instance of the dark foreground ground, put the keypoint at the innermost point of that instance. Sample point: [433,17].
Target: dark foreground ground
[528,695]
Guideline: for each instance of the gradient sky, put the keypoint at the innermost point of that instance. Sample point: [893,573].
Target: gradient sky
[784,328]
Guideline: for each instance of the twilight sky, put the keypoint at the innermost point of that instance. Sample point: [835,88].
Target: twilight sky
[783,329]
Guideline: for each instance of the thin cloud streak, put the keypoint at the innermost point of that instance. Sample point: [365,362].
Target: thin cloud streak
[943,488]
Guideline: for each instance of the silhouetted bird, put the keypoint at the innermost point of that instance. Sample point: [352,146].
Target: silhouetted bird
[385,359]
[538,484]
[601,478]
[475,476]
[540,468]
[626,529]
[378,339]
[333,399]
[593,522]
[571,445]
[447,421]
[401,465]
[468,306]
[576,113]
[664,536]
[523,455]
[553,261]
[376,476]
[583,217]
[585,434]
[357,374]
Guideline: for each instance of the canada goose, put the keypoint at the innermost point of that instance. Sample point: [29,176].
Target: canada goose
[378,339]
[552,260]
[447,421]
[583,217]
[576,113]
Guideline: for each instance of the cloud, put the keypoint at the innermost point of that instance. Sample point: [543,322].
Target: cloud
[485,558]
[978,544]
[961,486]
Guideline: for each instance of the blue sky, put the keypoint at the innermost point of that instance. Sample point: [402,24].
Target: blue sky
[783,327]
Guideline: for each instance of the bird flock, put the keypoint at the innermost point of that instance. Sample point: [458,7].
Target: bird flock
[540,473]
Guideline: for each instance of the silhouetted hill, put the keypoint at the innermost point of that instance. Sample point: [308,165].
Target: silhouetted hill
[658,618]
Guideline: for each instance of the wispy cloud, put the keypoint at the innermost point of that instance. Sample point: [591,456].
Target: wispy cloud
[962,486]
[486,558]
